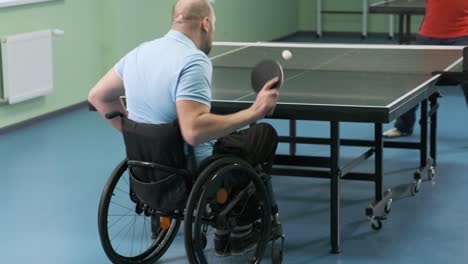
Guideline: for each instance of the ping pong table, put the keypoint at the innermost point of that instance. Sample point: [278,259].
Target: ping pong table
[404,9]
[342,83]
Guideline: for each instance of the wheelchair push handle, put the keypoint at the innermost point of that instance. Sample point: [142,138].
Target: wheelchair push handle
[110,115]
[91,107]
[114,114]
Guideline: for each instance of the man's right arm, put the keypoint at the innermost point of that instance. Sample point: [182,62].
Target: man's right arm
[198,125]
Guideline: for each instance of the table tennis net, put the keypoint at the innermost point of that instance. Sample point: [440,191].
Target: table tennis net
[354,58]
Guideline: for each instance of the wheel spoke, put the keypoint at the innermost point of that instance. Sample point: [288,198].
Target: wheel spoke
[123,206]
[129,228]
[108,227]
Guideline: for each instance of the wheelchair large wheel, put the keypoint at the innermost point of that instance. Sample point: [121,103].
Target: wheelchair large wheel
[128,233]
[227,197]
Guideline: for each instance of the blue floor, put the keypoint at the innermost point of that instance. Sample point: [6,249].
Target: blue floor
[53,173]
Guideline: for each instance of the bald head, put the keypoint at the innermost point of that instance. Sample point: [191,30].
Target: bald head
[195,19]
[190,12]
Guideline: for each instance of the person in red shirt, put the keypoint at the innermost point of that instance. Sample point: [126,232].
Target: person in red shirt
[445,23]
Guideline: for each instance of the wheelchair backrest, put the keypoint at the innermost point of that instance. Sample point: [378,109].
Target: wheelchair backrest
[161,189]
[161,144]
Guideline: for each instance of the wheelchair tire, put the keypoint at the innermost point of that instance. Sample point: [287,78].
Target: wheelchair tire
[116,196]
[199,212]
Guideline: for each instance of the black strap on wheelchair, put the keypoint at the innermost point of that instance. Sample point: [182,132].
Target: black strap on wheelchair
[144,164]
[191,161]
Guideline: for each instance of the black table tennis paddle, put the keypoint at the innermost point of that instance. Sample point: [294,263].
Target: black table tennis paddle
[264,71]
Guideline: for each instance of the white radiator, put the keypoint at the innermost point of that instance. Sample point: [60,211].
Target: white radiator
[27,65]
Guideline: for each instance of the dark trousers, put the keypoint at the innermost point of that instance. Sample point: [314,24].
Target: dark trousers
[257,145]
[405,123]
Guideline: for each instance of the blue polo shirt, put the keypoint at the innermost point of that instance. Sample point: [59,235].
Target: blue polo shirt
[160,72]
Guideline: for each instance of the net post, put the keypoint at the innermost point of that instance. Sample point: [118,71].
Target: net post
[465,59]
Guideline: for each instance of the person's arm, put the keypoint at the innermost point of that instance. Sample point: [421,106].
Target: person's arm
[198,125]
[105,96]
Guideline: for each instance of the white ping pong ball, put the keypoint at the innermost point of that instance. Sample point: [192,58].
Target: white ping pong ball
[287,55]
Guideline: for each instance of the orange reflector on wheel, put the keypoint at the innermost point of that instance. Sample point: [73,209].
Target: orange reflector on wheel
[221,196]
[165,223]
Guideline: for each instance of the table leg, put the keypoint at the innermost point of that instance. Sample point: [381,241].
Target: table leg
[319,18]
[401,21]
[433,147]
[335,186]
[378,210]
[292,134]
[422,149]
[378,161]
[391,32]
[408,27]
[365,8]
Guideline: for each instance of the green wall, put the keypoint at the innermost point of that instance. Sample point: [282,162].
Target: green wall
[77,56]
[128,22]
[99,32]
[348,22]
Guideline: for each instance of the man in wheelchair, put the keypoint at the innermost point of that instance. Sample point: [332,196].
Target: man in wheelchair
[167,84]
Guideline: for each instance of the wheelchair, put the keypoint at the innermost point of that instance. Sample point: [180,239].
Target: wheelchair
[138,219]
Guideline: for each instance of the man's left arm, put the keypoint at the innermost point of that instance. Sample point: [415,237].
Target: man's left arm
[105,96]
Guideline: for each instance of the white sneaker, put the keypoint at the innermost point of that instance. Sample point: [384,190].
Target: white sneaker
[394,133]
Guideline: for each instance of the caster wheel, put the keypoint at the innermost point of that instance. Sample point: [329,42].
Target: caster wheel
[417,176]
[376,224]
[415,187]
[147,212]
[276,255]
[431,173]
[134,198]
[388,206]
[139,209]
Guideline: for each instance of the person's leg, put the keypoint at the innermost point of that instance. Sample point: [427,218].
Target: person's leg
[404,125]
[261,142]
[465,91]
[461,41]
[406,122]
[257,145]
